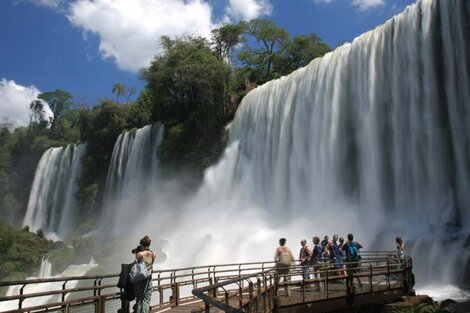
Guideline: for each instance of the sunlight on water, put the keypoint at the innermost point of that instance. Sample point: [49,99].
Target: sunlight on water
[440,293]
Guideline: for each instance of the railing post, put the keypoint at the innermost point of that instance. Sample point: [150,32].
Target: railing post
[160,289]
[20,301]
[388,275]
[371,287]
[193,280]
[100,306]
[63,297]
[258,293]
[175,295]
[349,284]
[63,292]
[250,294]
[327,283]
[214,293]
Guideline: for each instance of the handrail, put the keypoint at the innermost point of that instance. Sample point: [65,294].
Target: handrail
[208,294]
[199,292]
[255,279]
[163,280]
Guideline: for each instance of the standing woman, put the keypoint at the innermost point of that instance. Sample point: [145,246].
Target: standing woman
[143,290]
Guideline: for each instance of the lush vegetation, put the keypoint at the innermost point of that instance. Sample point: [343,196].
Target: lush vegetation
[193,87]
[22,252]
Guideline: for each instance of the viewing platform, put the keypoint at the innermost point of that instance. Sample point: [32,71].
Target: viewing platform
[231,288]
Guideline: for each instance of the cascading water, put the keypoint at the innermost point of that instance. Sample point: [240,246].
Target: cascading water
[45,272]
[132,175]
[373,139]
[52,203]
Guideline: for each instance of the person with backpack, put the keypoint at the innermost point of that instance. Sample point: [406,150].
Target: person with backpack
[284,259]
[316,259]
[304,258]
[352,258]
[141,275]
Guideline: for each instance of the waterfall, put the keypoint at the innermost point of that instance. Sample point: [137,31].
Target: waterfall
[372,139]
[132,177]
[52,203]
[45,272]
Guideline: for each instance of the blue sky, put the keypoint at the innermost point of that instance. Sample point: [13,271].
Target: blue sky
[85,46]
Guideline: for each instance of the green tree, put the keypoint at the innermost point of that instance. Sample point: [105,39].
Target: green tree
[130,91]
[188,83]
[302,50]
[225,39]
[58,101]
[119,89]
[271,42]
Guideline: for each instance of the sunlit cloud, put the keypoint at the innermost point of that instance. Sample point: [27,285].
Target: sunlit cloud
[362,5]
[248,9]
[129,30]
[53,4]
[15,100]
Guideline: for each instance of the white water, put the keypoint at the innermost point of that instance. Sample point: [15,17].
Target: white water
[133,176]
[440,293]
[52,204]
[373,138]
[45,272]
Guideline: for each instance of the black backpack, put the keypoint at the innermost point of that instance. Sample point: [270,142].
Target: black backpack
[124,282]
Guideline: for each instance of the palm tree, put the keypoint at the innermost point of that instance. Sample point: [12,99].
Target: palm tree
[130,92]
[119,89]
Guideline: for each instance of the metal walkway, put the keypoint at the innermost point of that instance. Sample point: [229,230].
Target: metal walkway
[232,288]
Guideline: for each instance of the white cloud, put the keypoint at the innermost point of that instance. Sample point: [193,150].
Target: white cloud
[129,30]
[15,100]
[53,4]
[248,9]
[365,5]
[362,5]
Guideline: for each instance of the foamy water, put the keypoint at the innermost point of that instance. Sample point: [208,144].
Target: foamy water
[444,292]
[45,272]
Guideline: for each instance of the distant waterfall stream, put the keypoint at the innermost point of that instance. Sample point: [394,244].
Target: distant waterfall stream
[132,177]
[52,203]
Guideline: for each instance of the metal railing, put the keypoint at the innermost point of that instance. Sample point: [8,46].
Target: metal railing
[379,271]
[248,287]
[170,288]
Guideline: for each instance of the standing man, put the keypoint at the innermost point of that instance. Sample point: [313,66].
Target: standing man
[352,258]
[284,259]
[304,258]
[316,260]
[336,254]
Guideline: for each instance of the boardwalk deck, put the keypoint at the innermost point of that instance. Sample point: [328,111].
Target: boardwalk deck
[231,288]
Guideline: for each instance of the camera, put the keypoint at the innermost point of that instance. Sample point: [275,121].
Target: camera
[136,250]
